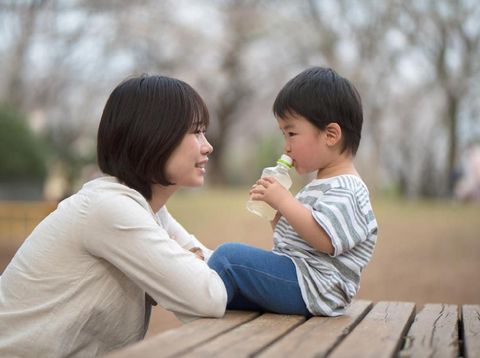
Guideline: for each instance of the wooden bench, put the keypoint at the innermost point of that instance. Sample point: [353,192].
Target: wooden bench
[384,329]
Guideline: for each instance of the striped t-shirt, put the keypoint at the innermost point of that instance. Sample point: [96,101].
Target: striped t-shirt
[341,206]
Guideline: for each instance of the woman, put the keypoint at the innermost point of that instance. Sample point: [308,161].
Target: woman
[77,286]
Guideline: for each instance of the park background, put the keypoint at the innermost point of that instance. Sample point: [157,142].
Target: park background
[415,63]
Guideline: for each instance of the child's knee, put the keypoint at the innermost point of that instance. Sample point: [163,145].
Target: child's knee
[228,248]
[218,258]
[223,254]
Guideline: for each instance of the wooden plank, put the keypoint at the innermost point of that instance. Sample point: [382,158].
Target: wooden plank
[319,335]
[434,333]
[380,333]
[185,337]
[471,330]
[248,338]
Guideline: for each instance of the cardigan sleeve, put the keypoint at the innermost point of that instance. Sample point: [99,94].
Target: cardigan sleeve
[124,233]
[178,233]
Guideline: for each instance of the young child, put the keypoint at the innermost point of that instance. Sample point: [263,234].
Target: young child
[325,235]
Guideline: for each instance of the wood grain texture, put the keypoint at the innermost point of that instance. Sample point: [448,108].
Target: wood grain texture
[185,337]
[319,335]
[434,333]
[380,333]
[249,338]
[386,329]
[471,330]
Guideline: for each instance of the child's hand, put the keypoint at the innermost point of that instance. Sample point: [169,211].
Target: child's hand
[198,252]
[269,190]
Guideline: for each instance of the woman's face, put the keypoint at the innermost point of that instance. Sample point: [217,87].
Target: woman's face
[186,166]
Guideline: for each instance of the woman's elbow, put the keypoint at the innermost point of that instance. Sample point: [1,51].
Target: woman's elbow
[214,303]
[216,311]
[215,308]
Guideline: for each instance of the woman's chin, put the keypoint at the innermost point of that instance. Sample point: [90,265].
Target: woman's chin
[197,183]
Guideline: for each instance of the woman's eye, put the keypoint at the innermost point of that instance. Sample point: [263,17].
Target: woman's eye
[291,134]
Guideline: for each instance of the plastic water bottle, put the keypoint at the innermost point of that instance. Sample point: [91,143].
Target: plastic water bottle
[279,172]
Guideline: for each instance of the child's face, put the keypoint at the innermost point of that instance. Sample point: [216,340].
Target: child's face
[305,144]
[186,165]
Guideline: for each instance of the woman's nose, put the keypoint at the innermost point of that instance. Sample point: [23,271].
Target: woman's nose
[207,148]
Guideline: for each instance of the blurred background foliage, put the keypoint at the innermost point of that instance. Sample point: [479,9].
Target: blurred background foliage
[25,154]
[415,64]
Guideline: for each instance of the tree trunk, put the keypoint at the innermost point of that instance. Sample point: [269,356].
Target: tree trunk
[452,120]
[15,92]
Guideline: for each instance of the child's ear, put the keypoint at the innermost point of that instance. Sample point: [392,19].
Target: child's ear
[333,133]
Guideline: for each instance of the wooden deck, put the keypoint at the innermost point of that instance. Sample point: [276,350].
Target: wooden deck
[384,329]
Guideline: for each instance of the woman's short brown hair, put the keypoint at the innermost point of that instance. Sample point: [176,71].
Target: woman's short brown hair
[144,120]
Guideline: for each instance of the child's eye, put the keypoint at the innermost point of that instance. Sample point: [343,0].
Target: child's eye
[291,134]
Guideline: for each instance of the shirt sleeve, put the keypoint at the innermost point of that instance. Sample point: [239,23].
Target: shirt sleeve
[178,233]
[340,215]
[124,233]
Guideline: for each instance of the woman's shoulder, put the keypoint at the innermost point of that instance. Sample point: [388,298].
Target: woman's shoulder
[107,196]
[108,187]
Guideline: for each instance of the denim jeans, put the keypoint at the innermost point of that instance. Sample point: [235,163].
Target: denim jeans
[258,280]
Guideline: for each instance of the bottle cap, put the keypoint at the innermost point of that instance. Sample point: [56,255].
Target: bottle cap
[285,160]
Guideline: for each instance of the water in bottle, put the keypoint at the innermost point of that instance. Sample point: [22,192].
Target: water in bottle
[280,173]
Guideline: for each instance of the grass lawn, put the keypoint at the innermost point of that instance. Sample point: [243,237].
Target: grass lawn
[426,251]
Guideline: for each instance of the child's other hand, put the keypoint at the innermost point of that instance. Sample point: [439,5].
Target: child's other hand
[269,190]
[198,252]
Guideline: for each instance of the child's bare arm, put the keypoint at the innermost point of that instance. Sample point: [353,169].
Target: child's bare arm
[297,215]
[275,220]
[305,225]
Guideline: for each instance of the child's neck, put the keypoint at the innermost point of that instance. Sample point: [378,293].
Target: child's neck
[342,165]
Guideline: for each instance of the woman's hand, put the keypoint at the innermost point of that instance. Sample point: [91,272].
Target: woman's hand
[198,252]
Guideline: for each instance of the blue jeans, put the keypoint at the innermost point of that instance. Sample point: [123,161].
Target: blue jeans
[258,280]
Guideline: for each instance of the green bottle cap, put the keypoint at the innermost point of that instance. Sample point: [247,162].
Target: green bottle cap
[285,160]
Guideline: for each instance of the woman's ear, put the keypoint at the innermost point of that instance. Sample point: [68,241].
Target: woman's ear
[333,133]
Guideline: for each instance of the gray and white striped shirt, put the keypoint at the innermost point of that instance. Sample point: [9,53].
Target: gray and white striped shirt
[341,206]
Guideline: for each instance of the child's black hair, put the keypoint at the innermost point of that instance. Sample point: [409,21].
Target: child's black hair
[322,96]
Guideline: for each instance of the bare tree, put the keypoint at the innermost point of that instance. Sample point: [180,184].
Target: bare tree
[447,34]
[353,38]
[239,53]
[46,80]
[240,21]
[27,14]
